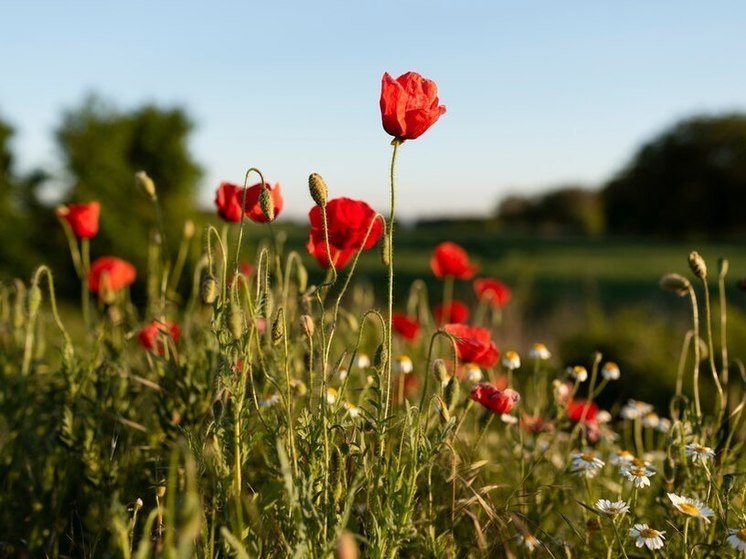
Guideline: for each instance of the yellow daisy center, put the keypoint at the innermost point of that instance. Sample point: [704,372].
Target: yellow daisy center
[741,534]
[648,533]
[688,508]
[587,456]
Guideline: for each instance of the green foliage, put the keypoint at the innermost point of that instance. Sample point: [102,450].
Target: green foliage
[688,181]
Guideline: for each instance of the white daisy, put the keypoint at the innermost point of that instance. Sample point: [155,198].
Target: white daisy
[352,410]
[531,542]
[664,425]
[363,361]
[539,351]
[651,420]
[404,364]
[612,508]
[511,360]
[603,416]
[646,536]
[509,419]
[270,401]
[737,538]
[342,374]
[635,409]
[639,476]
[610,371]
[586,464]
[621,457]
[331,396]
[698,453]
[578,372]
[691,507]
[473,372]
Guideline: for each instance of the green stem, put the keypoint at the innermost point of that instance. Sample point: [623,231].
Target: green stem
[711,352]
[695,321]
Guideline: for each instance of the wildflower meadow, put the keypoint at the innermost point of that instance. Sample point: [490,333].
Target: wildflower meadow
[281,407]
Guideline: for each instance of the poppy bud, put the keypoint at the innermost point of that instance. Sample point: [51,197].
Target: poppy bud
[146,183]
[33,299]
[306,322]
[697,265]
[441,372]
[267,204]
[380,357]
[318,189]
[302,278]
[723,266]
[235,321]
[138,504]
[676,283]
[386,250]
[208,291]
[278,327]
[452,392]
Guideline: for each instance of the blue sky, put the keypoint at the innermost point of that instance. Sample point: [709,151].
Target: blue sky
[538,93]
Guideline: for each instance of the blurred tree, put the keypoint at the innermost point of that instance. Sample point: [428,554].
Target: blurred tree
[567,209]
[688,181]
[22,216]
[103,148]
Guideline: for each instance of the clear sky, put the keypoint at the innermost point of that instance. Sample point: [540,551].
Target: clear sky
[538,93]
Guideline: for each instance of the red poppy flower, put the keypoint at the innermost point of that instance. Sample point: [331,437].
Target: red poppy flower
[82,218]
[409,105]
[492,290]
[254,210]
[459,313]
[474,344]
[228,199]
[450,259]
[348,222]
[497,401]
[576,409]
[110,273]
[153,336]
[407,328]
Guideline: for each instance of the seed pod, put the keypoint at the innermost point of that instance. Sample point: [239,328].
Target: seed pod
[33,299]
[675,283]
[306,322]
[318,189]
[235,321]
[208,290]
[278,327]
[267,204]
[697,265]
[146,183]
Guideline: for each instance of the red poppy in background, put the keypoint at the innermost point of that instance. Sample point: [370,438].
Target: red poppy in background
[576,409]
[409,105]
[82,218]
[254,210]
[474,344]
[228,199]
[110,273]
[450,259]
[153,336]
[407,328]
[497,401]
[457,312]
[492,290]
[348,222]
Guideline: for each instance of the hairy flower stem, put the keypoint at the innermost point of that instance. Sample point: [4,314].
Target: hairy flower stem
[711,352]
[723,323]
[243,213]
[695,325]
[395,143]
[85,293]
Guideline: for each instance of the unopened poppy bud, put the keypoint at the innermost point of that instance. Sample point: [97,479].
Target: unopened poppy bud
[188,229]
[697,265]
[452,392]
[675,283]
[318,189]
[146,183]
[442,409]
[441,371]
[385,250]
[235,321]
[267,204]
[138,504]
[306,322]
[33,299]
[302,278]
[208,291]
[278,327]
[380,357]
[160,489]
